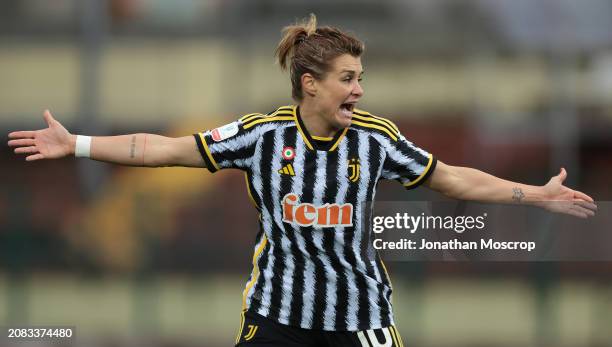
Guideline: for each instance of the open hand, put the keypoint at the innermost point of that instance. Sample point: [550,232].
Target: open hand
[561,199]
[50,143]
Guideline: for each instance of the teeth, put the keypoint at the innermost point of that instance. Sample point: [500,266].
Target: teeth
[346,112]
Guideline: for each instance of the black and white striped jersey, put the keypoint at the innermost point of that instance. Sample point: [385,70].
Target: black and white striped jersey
[313,266]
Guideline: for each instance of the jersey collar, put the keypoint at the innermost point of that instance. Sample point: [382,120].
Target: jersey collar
[314,142]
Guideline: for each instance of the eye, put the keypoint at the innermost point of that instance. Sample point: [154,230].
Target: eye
[360,79]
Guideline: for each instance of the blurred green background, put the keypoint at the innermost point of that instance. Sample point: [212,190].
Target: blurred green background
[157,257]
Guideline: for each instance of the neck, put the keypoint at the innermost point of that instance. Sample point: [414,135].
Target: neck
[315,121]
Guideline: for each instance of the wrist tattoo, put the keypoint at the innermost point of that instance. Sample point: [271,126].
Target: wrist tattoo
[133,147]
[517,194]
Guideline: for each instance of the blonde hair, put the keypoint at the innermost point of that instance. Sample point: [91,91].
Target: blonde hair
[305,48]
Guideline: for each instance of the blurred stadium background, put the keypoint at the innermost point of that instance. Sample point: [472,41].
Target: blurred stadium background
[159,257]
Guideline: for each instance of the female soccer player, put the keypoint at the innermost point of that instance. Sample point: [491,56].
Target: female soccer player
[310,168]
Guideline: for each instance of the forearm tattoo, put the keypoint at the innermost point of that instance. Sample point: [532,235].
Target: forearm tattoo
[144,149]
[517,194]
[133,147]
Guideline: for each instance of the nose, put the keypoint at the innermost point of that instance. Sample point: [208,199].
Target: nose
[358,90]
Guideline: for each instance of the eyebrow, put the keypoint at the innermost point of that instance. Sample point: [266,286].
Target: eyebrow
[351,71]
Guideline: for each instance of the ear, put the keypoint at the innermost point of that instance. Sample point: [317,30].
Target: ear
[309,84]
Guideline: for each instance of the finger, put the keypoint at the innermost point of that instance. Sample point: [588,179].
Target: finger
[575,213]
[22,142]
[48,117]
[22,134]
[586,204]
[581,195]
[28,149]
[583,211]
[562,175]
[37,156]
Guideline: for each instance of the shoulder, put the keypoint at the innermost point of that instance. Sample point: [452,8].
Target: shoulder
[282,116]
[365,121]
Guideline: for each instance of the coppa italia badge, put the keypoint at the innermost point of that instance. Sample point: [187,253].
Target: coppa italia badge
[288,153]
[304,214]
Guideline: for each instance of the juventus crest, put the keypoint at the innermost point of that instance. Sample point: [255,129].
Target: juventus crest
[353,169]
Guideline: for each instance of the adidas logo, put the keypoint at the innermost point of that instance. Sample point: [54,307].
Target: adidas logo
[287,170]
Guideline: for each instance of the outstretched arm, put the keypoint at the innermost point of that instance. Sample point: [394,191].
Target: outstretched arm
[134,150]
[471,184]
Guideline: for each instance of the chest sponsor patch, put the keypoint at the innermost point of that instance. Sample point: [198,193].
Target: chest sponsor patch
[225,132]
[305,214]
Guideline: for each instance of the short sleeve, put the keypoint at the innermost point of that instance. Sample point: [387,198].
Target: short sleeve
[228,146]
[407,163]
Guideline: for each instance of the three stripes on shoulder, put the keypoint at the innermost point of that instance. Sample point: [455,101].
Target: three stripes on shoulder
[283,113]
[368,120]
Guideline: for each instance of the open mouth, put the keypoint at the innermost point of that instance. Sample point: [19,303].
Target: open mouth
[347,108]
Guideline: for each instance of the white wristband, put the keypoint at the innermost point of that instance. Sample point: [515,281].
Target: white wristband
[83,146]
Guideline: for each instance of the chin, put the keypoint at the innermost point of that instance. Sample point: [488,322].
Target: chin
[343,122]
